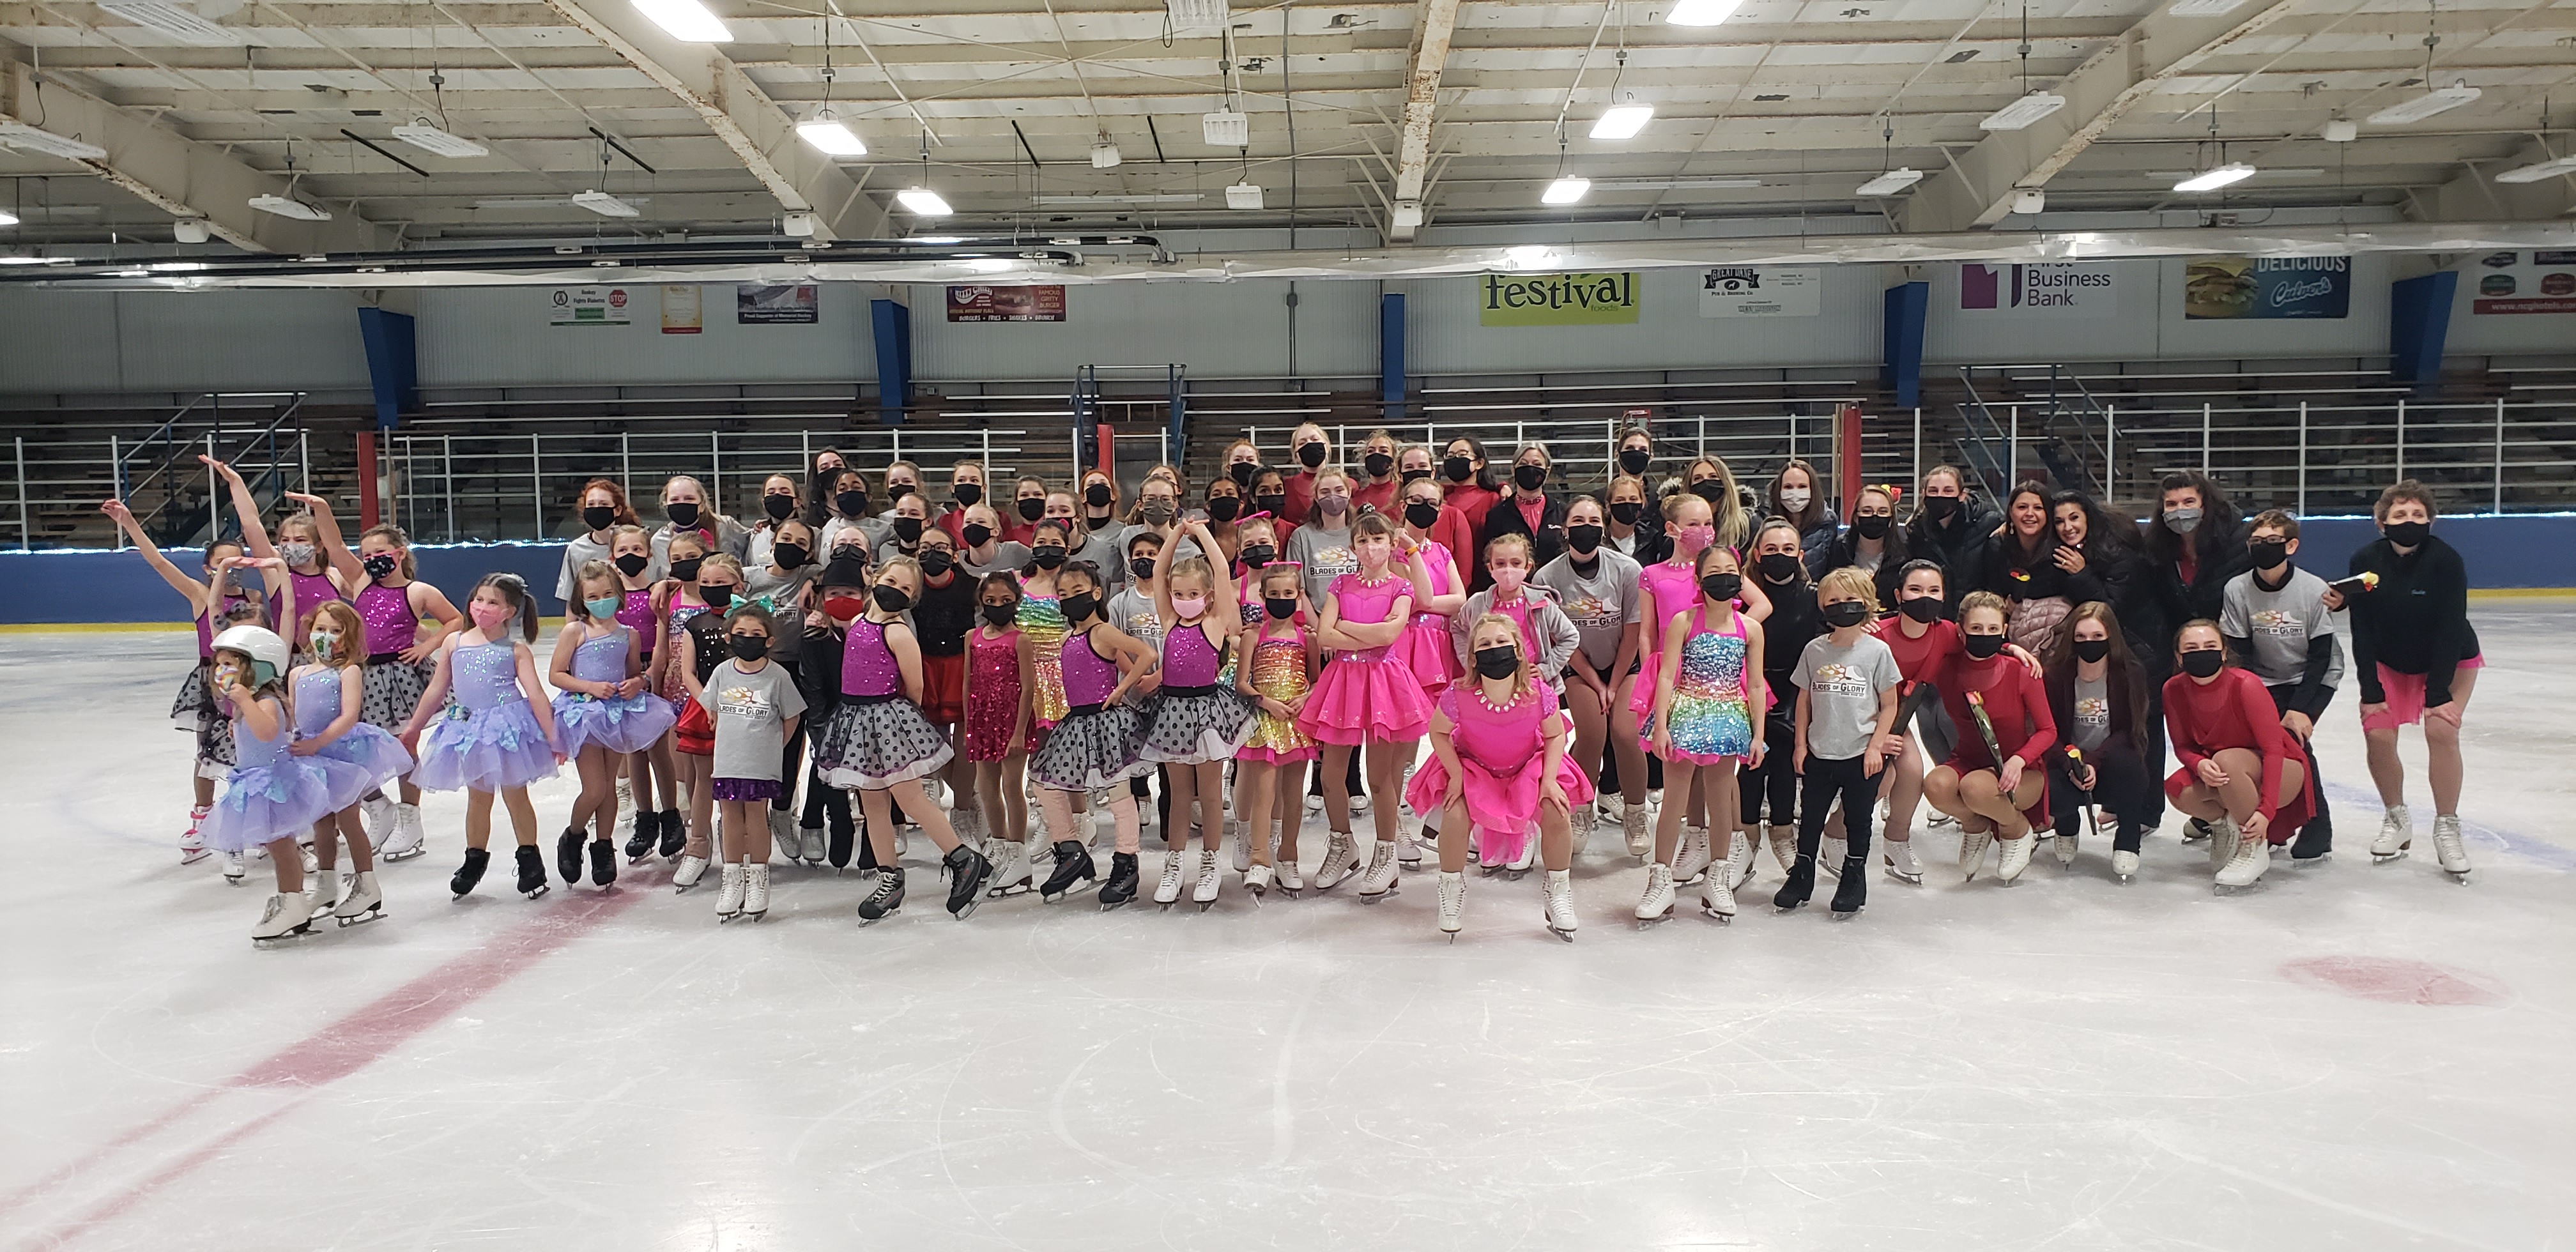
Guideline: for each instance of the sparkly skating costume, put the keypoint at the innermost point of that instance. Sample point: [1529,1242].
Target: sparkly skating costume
[307,592]
[1194,718]
[1671,589]
[1096,744]
[488,738]
[1497,752]
[674,688]
[993,695]
[876,738]
[1042,619]
[391,689]
[635,613]
[1366,695]
[617,723]
[378,758]
[273,794]
[1424,646]
[1279,672]
[1712,719]
[195,710]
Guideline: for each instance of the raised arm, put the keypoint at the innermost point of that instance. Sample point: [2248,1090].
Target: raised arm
[254,534]
[198,593]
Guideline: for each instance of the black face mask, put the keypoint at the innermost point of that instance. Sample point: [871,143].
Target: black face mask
[890,599]
[1310,455]
[1722,586]
[935,563]
[907,530]
[717,597]
[1257,555]
[851,503]
[1457,468]
[977,534]
[788,555]
[599,516]
[1585,539]
[1280,608]
[1845,613]
[747,647]
[1422,515]
[1141,567]
[1272,505]
[1377,464]
[779,506]
[2407,534]
[967,495]
[2204,663]
[382,566]
[1924,609]
[1626,512]
[1096,495]
[1079,606]
[1529,477]
[1709,489]
[1241,472]
[1499,662]
[1412,474]
[1001,615]
[2089,650]
[683,514]
[633,564]
[1870,526]
[686,571]
[823,479]
[1635,460]
[1778,567]
[1939,508]
[1982,647]
[1047,556]
[1032,508]
[2269,553]
[1223,508]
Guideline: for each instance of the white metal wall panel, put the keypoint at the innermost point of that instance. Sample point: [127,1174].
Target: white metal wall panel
[1218,330]
[76,341]
[505,336]
[1448,337]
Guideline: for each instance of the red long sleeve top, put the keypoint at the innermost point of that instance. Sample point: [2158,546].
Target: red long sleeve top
[2234,711]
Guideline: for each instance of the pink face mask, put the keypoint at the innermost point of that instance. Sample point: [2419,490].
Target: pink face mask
[1189,606]
[1508,579]
[1691,539]
[488,617]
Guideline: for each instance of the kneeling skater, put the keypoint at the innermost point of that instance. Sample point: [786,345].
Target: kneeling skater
[1484,734]
[1993,782]
[2241,772]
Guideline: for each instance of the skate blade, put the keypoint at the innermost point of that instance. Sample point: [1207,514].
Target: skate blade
[1112,906]
[1649,923]
[2459,876]
[191,858]
[1788,908]
[414,854]
[1841,916]
[2398,855]
[1205,905]
[722,918]
[1008,890]
[966,910]
[1714,915]
[376,914]
[1450,935]
[1566,935]
[1912,880]
[538,892]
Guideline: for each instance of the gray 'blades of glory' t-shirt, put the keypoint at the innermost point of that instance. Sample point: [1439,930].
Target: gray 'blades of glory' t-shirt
[750,711]
[1843,686]
[2280,624]
[1601,604]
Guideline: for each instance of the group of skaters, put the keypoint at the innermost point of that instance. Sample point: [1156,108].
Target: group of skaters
[1481,665]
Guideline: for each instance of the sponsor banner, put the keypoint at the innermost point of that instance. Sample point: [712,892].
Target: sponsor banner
[2515,283]
[1557,300]
[681,314]
[2050,288]
[1006,304]
[2226,287]
[1751,291]
[761,304]
[588,306]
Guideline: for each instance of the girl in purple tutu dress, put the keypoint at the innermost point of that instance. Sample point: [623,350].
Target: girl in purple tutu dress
[1100,742]
[1270,770]
[499,736]
[604,710]
[330,723]
[1486,734]
[1198,721]
[1365,697]
[271,796]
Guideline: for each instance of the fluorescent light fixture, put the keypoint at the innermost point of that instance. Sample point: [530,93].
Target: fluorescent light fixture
[605,205]
[2204,8]
[170,19]
[431,139]
[1243,195]
[21,135]
[1188,13]
[1688,182]
[1891,182]
[923,202]
[1104,155]
[685,20]
[2211,180]
[1225,128]
[1701,12]
[1566,190]
[8,218]
[2023,112]
[937,239]
[2439,100]
[826,133]
[1141,197]
[175,267]
[1623,121]
[2536,173]
[990,264]
[288,206]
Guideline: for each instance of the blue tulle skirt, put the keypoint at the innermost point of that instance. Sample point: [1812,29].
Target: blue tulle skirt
[377,757]
[262,803]
[628,725]
[491,750]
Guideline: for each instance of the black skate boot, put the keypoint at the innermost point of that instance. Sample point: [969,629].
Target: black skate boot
[675,833]
[1123,879]
[1072,867]
[836,848]
[1793,894]
[532,871]
[648,828]
[1854,891]
[883,901]
[2315,839]
[470,873]
[967,870]
[603,863]
[568,856]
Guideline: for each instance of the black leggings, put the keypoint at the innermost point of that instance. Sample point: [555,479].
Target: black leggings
[1775,779]
[2120,783]
[1162,799]
[2320,828]
[1855,786]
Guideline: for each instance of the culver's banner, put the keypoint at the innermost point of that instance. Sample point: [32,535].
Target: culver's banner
[1557,299]
[2235,287]
[2046,288]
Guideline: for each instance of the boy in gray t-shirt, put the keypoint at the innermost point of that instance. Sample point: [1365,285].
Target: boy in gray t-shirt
[2275,621]
[1846,706]
[755,706]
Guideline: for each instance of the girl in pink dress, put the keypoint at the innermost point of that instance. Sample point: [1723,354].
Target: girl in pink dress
[1365,697]
[1001,671]
[1270,768]
[1670,587]
[1438,591]
[1485,735]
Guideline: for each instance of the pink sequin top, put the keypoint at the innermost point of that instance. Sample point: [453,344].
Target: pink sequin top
[311,592]
[1671,589]
[1500,741]
[1188,661]
[636,614]
[1363,604]
[386,613]
[867,665]
[1440,569]
[1087,678]
[996,669]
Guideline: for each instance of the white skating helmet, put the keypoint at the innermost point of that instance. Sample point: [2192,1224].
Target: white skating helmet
[267,653]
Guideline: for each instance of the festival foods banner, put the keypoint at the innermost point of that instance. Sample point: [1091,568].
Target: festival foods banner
[589,306]
[2522,283]
[2045,288]
[1557,300]
[1043,303]
[2229,287]
[1749,291]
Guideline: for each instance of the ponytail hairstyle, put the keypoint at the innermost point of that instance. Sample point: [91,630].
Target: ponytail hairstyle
[514,591]
[394,535]
[352,653]
[616,495]
[1521,676]
[1795,545]
[588,572]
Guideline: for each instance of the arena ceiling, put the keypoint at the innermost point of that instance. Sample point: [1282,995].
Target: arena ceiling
[1393,118]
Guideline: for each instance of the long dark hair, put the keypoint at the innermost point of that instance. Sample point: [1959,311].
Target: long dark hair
[2015,554]
[2104,535]
[2121,666]
[1488,478]
[2217,519]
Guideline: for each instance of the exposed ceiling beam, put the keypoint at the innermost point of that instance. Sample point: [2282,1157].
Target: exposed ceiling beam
[178,175]
[2104,89]
[2474,193]
[1430,53]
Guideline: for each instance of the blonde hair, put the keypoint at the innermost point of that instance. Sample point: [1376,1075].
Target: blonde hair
[1520,541]
[1849,581]
[1975,600]
[1195,567]
[1520,642]
[719,560]
[394,535]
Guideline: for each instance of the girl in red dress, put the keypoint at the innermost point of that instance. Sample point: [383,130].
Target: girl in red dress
[2241,772]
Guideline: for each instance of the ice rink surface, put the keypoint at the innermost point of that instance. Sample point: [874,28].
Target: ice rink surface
[2350,1056]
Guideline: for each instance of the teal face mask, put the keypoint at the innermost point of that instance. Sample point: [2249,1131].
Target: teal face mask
[605,606]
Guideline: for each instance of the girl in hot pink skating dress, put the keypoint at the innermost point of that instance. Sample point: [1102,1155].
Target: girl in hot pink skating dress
[1438,591]
[1365,696]
[1498,763]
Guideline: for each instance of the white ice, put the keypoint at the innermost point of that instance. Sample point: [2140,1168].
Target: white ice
[2068,1063]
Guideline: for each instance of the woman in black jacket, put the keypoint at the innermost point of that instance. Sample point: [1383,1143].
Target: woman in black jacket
[1950,527]
[2196,544]
[2103,560]
[2098,695]
[1794,499]
[1873,541]
[1511,515]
